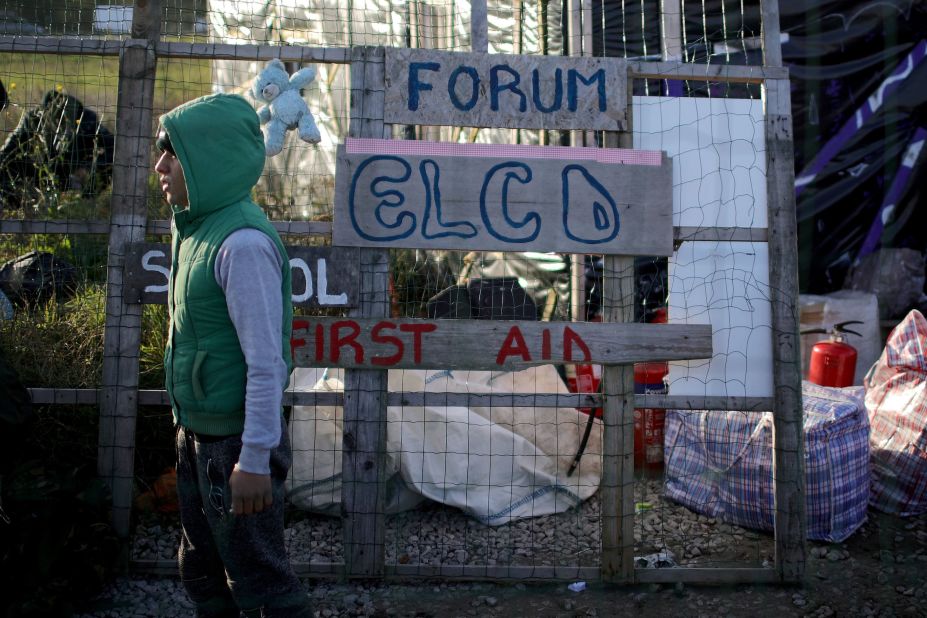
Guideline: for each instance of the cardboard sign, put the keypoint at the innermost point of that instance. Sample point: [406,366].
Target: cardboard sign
[426,195]
[322,276]
[494,90]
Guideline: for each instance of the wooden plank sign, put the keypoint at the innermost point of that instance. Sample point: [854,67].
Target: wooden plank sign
[322,276]
[496,90]
[426,195]
[385,343]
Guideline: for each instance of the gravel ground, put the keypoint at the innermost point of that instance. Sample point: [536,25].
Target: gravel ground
[879,571]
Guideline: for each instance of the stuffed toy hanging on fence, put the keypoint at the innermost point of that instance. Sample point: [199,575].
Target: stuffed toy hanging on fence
[284,108]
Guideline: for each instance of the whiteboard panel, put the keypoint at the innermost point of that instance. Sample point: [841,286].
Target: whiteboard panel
[719,157]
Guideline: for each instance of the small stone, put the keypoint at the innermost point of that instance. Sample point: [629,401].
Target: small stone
[491,601]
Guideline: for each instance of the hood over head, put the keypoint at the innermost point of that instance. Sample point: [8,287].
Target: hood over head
[218,141]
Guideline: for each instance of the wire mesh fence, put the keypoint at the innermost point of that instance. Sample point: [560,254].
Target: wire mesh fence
[483,473]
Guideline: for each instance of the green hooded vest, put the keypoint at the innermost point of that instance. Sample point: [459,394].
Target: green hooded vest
[219,144]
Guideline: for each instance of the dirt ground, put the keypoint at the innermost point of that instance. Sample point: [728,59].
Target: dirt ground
[879,571]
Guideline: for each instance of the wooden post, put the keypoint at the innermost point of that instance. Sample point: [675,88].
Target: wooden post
[788,431]
[788,428]
[479,27]
[364,439]
[577,263]
[617,494]
[671,29]
[772,44]
[122,330]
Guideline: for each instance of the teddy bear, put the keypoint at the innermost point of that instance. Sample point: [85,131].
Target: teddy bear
[284,108]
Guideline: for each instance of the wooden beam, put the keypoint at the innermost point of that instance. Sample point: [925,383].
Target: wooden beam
[176,49]
[471,572]
[60,45]
[727,73]
[53,226]
[475,572]
[364,471]
[155,397]
[162,227]
[788,431]
[122,328]
[688,402]
[671,30]
[716,234]
[772,42]
[479,26]
[708,576]
[495,345]
[617,485]
[619,293]
[162,567]
[341,55]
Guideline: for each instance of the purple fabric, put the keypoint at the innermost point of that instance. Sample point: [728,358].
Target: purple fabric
[864,113]
[896,190]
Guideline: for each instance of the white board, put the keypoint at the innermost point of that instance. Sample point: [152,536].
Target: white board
[719,157]
[719,180]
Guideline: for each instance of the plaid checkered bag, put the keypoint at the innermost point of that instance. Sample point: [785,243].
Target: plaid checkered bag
[720,463]
[896,399]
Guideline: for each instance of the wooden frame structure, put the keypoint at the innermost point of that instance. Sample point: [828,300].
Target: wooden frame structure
[365,396]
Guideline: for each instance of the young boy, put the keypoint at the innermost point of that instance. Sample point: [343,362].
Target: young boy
[227,362]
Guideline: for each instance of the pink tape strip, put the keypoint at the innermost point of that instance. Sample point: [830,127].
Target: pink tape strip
[449,149]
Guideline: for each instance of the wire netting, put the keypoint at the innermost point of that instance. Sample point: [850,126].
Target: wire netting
[474,477]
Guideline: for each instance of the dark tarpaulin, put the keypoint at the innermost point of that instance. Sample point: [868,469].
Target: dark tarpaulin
[859,87]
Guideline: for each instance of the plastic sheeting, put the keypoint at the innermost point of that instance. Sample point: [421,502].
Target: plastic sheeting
[496,463]
[304,175]
[859,87]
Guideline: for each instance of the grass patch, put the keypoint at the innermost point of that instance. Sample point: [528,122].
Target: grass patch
[95,81]
[60,344]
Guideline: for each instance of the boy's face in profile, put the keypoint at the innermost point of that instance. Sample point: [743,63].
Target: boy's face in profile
[170,173]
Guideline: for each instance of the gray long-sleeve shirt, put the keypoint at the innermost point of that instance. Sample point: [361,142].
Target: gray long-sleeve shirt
[248,268]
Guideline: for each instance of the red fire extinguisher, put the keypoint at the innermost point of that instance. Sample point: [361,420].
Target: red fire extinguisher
[833,362]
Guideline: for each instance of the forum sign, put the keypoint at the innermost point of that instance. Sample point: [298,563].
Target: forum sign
[430,87]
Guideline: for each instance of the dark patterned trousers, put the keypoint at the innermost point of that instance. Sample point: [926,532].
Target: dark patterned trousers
[233,564]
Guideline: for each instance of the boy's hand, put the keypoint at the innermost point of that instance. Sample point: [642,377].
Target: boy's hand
[251,493]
